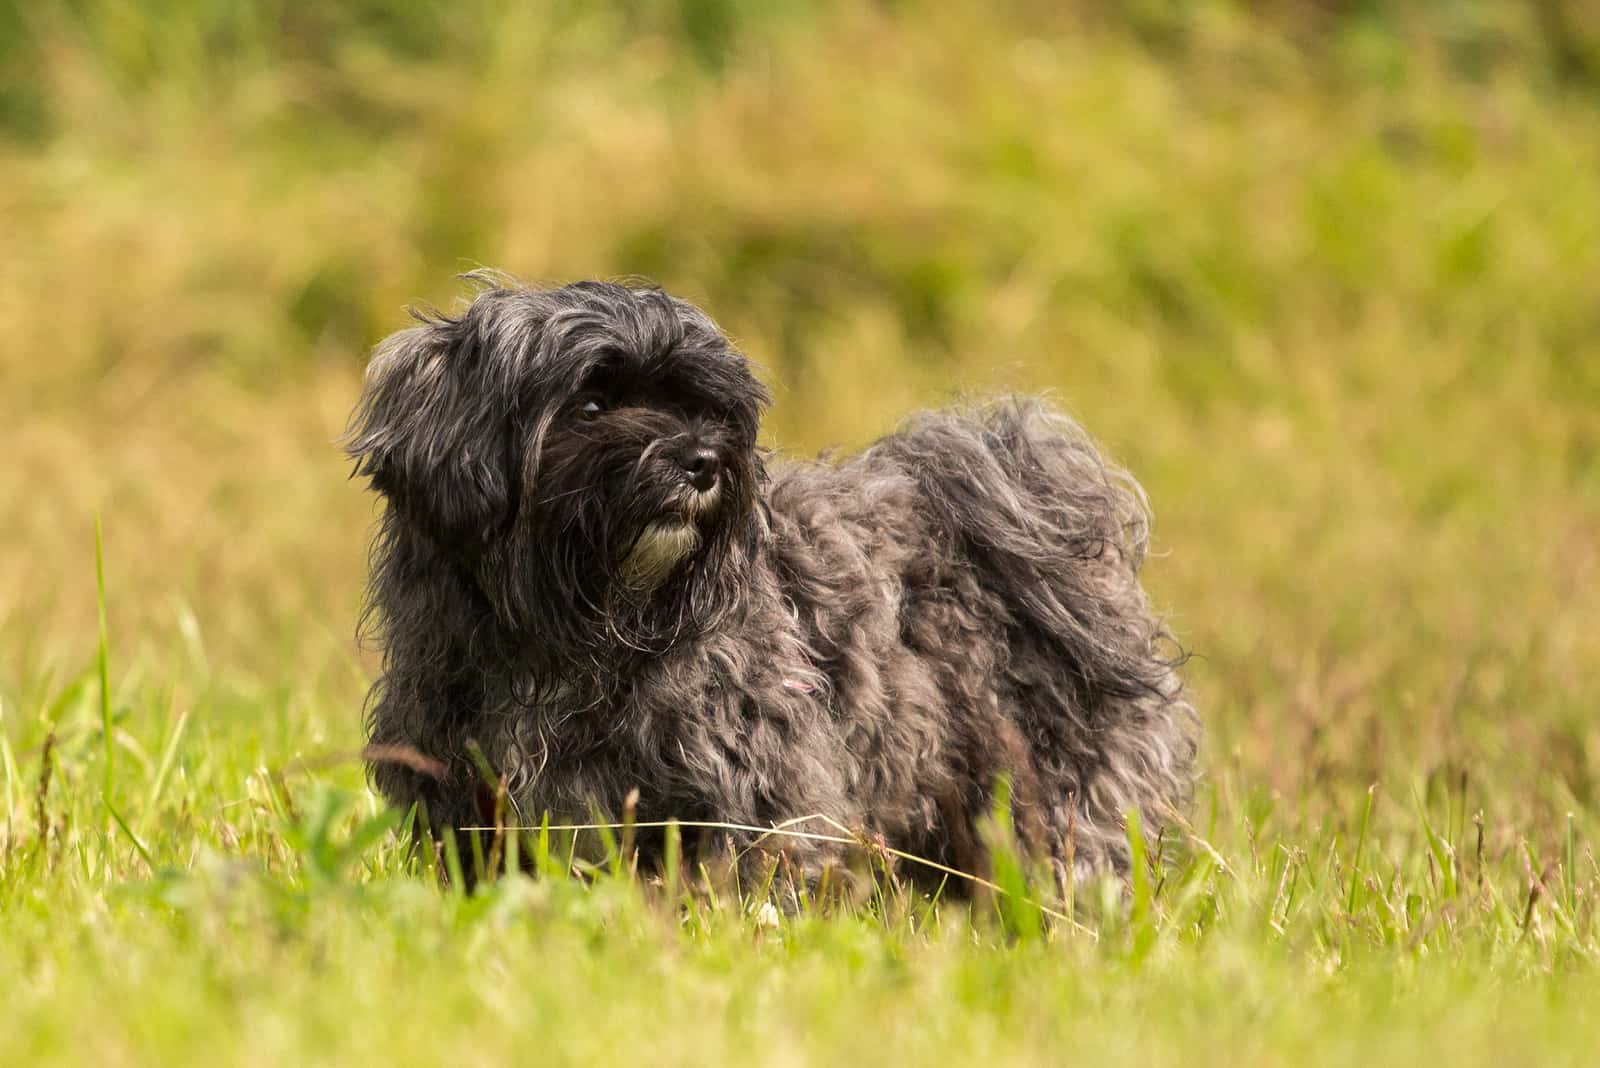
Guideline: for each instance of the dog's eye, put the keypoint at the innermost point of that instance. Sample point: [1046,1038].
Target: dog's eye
[590,407]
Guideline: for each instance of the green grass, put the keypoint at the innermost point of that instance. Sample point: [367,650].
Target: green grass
[1324,278]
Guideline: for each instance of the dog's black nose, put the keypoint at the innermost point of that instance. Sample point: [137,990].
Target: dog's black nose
[702,465]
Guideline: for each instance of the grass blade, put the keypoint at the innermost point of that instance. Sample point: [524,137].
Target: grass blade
[452,863]
[1361,842]
[1570,881]
[1020,915]
[8,763]
[1139,916]
[104,662]
[1443,852]
[137,844]
[670,863]
[169,754]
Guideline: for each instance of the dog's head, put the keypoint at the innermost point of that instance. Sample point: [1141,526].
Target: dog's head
[587,452]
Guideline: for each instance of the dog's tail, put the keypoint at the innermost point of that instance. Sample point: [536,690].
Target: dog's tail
[1058,534]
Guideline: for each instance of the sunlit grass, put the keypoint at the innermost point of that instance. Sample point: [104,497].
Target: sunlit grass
[275,916]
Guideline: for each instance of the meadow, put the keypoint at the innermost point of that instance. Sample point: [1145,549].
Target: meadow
[1322,275]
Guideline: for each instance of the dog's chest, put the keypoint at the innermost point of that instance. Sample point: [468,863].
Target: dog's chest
[678,726]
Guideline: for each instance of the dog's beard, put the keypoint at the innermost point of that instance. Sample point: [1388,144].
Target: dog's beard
[666,543]
[660,548]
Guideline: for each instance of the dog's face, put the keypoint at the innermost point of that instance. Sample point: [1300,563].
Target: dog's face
[583,453]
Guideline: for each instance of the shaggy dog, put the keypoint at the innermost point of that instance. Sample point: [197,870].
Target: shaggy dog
[588,578]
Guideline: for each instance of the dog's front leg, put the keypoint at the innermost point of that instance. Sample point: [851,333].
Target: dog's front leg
[806,817]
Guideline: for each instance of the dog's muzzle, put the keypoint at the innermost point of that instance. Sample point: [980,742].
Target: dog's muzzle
[677,534]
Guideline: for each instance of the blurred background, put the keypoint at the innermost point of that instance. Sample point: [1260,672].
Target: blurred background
[1325,275]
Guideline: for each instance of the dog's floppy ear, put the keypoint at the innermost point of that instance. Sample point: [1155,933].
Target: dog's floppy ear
[430,434]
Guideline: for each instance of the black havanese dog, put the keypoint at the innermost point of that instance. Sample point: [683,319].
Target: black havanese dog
[588,578]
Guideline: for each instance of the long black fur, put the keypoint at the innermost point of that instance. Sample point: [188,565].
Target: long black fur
[878,639]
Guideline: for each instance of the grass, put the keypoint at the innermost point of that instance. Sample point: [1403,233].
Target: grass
[1322,277]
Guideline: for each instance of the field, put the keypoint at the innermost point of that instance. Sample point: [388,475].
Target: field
[1324,277]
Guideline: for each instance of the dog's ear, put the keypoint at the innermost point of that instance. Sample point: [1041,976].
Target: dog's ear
[431,435]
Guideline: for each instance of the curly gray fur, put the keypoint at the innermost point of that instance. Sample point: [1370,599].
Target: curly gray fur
[877,639]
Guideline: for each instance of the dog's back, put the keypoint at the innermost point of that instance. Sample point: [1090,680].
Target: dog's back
[970,586]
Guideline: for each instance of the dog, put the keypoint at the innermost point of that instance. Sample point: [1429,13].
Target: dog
[591,583]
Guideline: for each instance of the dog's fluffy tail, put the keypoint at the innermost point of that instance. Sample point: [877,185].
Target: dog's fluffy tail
[1058,534]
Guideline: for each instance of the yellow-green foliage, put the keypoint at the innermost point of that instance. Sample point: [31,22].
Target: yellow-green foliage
[1326,277]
